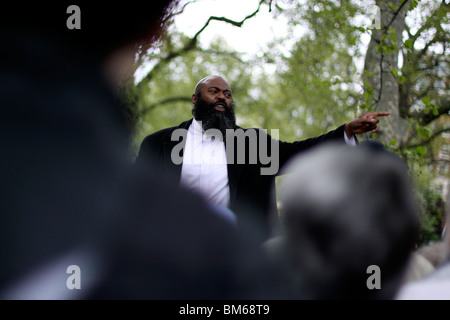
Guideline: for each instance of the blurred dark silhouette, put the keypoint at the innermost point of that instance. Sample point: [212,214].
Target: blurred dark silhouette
[345,209]
[69,194]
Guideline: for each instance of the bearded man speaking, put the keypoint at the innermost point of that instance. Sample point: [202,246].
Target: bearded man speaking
[203,156]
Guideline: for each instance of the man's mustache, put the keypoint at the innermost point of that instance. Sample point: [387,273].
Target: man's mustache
[221,102]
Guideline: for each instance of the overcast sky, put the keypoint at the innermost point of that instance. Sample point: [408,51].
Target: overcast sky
[250,38]
[256,32]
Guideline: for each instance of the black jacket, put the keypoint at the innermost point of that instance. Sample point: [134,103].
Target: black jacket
[252,191]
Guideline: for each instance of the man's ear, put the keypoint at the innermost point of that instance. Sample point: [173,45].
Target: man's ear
[194,98]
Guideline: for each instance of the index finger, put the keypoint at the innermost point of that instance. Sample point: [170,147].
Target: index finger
[380,114]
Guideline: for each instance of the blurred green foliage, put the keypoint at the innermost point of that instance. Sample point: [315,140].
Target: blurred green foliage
[314,85]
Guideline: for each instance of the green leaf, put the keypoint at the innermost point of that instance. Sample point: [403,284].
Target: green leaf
[435,108]
[393,6]
[413,5]
[391,30]
[361,29]
[409,43]
[279,8]
[426,100]
[366,95]
[393,37]
[423,132]
[367,73]
[420,151]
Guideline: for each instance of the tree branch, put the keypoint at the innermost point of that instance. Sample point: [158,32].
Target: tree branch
[437,37]
[430,21]
[396,13]
[224,19]
[426,118]
[162,102]
[193,42]
[385,32]
[428,140]
[170,16]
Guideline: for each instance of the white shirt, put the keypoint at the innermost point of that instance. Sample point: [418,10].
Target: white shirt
[350,141]
[204,169]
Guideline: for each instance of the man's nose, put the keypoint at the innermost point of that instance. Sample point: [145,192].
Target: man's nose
[221,95]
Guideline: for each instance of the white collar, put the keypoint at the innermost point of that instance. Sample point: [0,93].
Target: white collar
[197,128]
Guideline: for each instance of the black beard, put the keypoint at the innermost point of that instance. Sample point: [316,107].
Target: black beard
[213,119]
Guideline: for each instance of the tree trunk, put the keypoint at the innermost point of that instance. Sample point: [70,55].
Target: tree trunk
[381,58]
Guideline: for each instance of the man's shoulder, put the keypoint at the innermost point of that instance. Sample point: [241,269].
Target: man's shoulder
[166,133]
[161,132]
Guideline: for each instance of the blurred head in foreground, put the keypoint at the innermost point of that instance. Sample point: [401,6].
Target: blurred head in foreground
[96,28]
[69,196]
[345,209]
